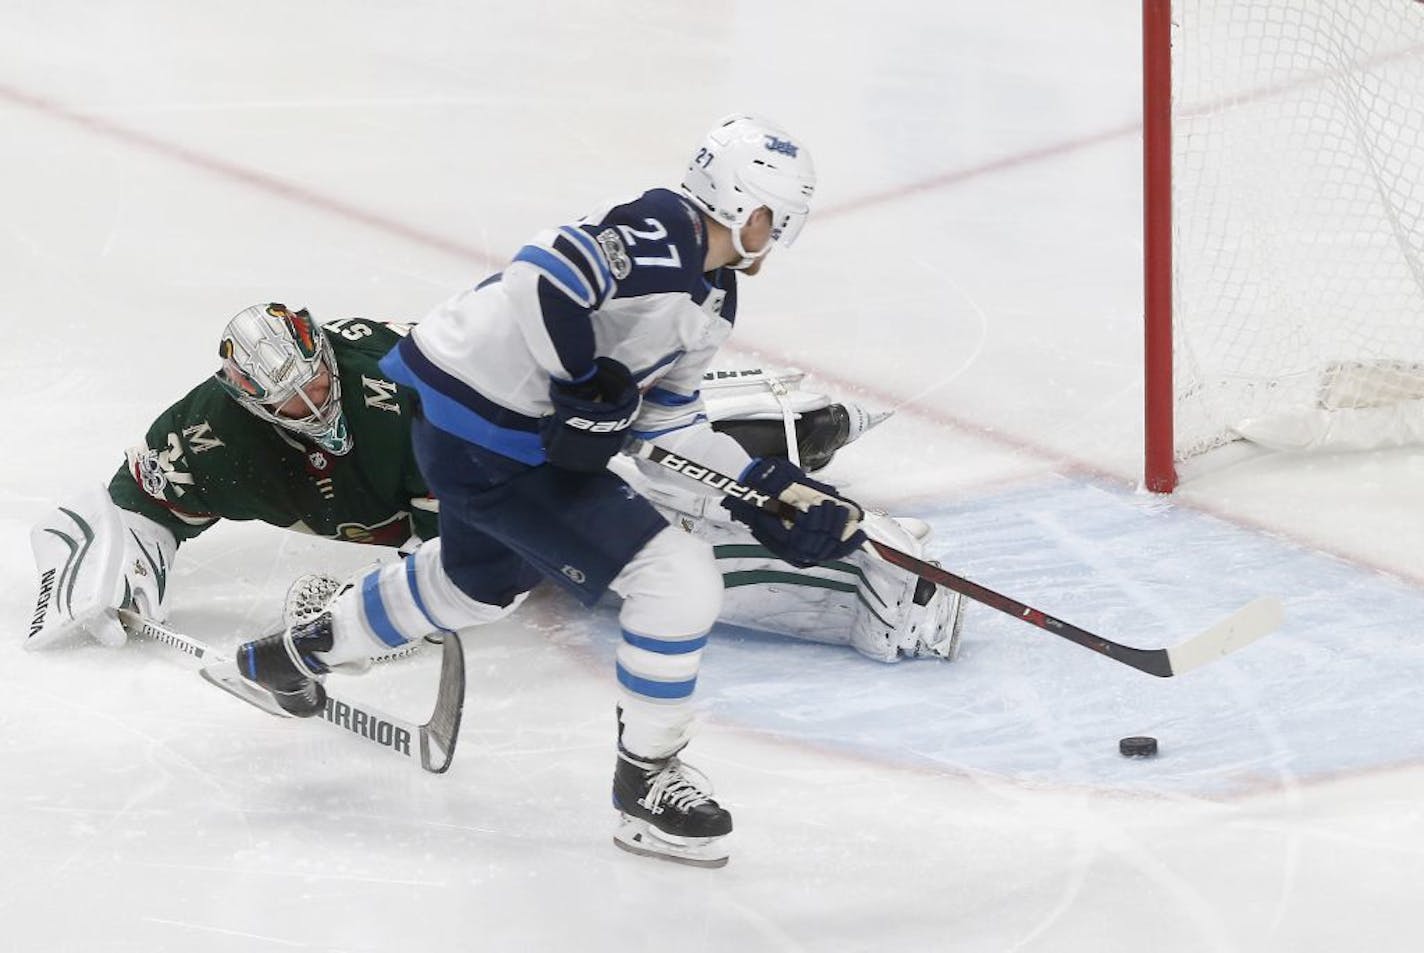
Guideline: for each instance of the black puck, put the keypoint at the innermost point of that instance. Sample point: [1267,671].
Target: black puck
[1139,746]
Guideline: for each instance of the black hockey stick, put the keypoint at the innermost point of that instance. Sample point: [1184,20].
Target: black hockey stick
[430,746]
[1237,630]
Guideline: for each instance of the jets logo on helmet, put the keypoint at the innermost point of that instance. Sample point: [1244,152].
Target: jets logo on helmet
[784,146]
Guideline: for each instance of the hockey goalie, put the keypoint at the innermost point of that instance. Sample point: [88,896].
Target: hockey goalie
[300,429]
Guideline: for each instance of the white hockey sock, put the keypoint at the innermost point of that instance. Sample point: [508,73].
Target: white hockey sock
[400,602]
[671,595]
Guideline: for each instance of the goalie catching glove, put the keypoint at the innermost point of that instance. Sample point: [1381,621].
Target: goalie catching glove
[826,527]
[591,417]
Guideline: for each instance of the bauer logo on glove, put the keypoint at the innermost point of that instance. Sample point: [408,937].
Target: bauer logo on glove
[599,426]
[591,418]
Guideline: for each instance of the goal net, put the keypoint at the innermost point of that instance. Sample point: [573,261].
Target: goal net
[1297,222]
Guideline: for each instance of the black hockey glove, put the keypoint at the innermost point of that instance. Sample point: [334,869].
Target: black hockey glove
[826,527]
[591,418]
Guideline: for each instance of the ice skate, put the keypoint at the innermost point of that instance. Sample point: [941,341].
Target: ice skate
[281,665]
[666,810]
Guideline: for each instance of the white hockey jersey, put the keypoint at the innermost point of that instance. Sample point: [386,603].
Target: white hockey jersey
[625,282]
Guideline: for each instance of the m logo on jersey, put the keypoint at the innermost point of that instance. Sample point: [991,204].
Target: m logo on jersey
[200,437]
[784,146]
[380,394]
[615,251]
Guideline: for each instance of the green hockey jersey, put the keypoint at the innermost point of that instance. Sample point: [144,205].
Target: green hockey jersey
[207,458]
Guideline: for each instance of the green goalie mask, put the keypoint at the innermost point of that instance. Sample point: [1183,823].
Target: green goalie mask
[277,363]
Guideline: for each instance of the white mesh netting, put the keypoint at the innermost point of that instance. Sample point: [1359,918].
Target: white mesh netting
[1298,192]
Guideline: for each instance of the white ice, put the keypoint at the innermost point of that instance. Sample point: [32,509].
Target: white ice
[974,262]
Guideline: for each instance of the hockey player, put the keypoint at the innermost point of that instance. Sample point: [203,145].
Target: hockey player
[298,428]
[227,450]
[529,384]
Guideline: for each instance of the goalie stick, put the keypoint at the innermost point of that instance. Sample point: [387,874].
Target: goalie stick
[430,746]
[1236,631]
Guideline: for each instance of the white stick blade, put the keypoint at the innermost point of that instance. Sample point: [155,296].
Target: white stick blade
[1236,631]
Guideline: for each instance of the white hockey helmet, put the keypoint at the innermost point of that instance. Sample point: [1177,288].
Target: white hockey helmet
[272,354]
[746,163]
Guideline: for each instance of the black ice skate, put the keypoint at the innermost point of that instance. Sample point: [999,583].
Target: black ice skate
[667,811]
[282,665]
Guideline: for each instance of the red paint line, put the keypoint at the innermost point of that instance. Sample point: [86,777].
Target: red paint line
[261,181]
[991,167]
[303,196]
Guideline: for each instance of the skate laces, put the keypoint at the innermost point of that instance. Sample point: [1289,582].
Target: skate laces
[677,784]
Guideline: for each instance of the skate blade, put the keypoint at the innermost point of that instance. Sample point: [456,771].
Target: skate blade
[225,676]
[639,837]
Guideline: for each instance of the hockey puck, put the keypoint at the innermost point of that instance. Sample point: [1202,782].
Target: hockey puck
[1138,747]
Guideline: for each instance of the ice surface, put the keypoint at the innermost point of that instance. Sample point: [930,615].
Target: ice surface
[974,262]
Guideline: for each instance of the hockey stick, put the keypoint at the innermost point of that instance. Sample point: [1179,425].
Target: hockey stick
[1236,631]
[434,746]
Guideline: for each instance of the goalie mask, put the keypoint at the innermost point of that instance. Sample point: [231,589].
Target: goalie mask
[277,363]
[746,163]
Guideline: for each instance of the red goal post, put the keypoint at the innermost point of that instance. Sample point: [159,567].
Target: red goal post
[1283,176]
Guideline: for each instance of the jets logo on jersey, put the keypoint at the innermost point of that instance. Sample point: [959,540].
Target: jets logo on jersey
[616,253]
[200,437]
[380,394]
[784,146]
